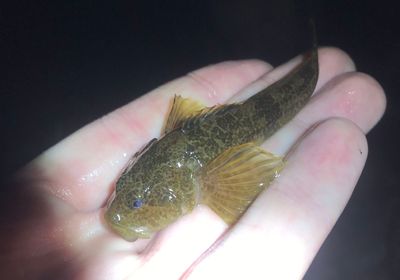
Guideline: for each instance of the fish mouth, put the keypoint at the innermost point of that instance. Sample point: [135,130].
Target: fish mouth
[128,233]
[115,221]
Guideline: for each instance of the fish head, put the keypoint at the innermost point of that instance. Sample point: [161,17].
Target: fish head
[149,195]
[134,215]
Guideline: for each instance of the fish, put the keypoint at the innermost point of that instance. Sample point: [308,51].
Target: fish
[208,155]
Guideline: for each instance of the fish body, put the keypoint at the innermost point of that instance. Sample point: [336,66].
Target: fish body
[209,156]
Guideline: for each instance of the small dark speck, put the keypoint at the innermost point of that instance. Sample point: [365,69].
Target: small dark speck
[360,151]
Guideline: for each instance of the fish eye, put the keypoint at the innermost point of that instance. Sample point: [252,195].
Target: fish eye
[137,203]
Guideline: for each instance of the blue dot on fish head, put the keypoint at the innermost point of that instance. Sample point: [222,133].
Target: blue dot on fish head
[137,203]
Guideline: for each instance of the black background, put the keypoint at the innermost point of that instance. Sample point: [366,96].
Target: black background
[64,64]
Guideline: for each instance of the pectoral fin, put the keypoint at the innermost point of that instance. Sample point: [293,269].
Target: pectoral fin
[235,178]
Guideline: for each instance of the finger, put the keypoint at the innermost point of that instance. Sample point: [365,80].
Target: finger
[280,234]
[80,169]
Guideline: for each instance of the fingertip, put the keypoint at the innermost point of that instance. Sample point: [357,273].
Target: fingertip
[342,136]
[377,95]
[323,170]
[336,58]
[348,94]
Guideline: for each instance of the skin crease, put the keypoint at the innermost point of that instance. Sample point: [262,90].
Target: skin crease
[278,236]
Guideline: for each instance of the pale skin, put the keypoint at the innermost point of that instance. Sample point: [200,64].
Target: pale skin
[54,226]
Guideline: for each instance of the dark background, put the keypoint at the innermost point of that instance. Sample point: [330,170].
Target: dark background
[65,64]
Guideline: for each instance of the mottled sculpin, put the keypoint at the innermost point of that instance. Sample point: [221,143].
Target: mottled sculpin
[209,156]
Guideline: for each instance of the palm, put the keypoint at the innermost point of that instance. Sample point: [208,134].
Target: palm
[277,237]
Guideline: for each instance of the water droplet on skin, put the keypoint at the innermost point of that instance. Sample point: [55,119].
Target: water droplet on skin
[63,193]
[114,162]
[349,102]
[90,177]
[211,92]
[93,175]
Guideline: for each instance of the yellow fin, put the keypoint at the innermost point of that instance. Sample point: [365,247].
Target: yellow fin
[234,179]
[188,112]
[182,109]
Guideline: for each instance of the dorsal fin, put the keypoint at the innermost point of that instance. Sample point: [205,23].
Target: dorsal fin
[186,112]
[182,110]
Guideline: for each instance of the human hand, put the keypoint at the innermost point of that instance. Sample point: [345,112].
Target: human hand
[53,226]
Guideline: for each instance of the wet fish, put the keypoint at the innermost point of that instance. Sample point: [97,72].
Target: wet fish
[209,156]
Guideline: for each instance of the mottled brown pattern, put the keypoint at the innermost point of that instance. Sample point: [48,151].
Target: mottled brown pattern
[165,181]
